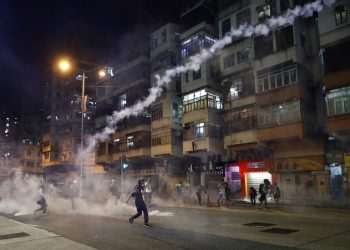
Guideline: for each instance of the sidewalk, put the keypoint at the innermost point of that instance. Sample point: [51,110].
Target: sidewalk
[16,235]
[245,205]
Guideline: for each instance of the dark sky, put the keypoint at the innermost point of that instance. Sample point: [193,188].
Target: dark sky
[34,33]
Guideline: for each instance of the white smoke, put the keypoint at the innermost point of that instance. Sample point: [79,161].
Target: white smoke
[20,196]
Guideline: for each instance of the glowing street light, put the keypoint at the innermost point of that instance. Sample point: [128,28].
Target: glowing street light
[64,65]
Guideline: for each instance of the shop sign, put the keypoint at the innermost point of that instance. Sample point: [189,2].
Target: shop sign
[256,165]
[312,163]
[347,160]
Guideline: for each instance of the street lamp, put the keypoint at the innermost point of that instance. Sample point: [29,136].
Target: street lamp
[65,65]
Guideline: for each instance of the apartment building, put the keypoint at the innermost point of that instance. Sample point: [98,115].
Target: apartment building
[63,129]
[167,110]
[132,138]
[30,158]
[334,29]
[272,125]
[202,101]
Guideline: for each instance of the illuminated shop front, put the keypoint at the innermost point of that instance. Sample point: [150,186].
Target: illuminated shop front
[243,174]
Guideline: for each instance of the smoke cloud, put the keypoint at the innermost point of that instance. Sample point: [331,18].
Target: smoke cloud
[19,196]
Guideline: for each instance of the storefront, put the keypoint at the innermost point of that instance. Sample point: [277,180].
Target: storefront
[304,179]
[243,174]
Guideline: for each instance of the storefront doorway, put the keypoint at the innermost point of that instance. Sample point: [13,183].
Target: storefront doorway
[241,175]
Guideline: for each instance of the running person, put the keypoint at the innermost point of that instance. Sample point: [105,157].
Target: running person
[139,203]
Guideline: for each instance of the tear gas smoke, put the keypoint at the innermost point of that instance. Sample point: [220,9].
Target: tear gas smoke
[20,196]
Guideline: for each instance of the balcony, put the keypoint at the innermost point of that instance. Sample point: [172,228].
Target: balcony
[291,119]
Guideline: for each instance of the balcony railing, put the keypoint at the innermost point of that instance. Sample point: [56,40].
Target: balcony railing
[283,113]
[204,103]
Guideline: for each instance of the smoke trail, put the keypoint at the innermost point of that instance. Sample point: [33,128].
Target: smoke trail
[245,30]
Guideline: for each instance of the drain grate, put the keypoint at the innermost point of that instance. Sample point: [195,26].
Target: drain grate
[11,236]
[259,224]
[277,230]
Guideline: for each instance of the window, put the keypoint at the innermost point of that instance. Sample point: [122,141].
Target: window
[338,101]
[122,101]
[284,5]
[186,77]
[195,44]
[226,26]
[229,61]
[156,141]
[130,141]
[157,112]
[175,110]
[284,38]
[243,17]
[277,78]
[196,74]
[243,55]
[46,155]
[263,12]
[340,13]
[201,100]
[235,89]
[279,114]
[28,152]
[199,130]
[240,119]
[263,46]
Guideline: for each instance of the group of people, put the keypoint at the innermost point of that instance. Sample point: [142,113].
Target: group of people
[225,194]
[265,188]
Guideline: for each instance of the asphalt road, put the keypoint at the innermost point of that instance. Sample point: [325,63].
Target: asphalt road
[205,228]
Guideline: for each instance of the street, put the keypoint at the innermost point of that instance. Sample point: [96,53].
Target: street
[238,227]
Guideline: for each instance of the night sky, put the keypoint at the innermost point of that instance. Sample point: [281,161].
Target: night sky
[34,33]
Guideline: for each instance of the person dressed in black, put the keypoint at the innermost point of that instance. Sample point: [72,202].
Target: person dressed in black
[252,194]
[43,205]
[140,203]
[264,190]
[199,191]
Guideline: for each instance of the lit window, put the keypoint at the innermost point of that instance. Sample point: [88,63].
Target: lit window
[338,101]
[235,89]
[130,141]
[122,101]
[264,12]
[199,130]
[340,13]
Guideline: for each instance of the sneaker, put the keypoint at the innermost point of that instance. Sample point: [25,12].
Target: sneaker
[131,220]
[146,225]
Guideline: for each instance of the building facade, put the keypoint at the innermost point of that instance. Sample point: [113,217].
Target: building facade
[334,25]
